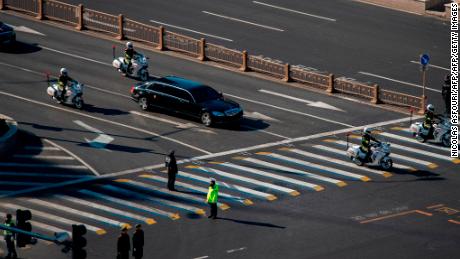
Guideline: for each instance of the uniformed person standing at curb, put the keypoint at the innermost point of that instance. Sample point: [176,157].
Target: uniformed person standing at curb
[171,165]
[123,244]
[138,242]
[211,199]
[446,93]
[9,237]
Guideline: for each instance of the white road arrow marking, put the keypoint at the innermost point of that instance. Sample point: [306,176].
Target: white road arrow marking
[101,141]
[26,29]
[259,116]
[178,125]
[317,104]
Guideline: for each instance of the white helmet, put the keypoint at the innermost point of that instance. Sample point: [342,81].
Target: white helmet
[366,130]
[430,107]
[129,45]
[63,71]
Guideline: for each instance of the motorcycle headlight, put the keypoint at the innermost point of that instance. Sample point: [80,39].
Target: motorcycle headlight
[218,114]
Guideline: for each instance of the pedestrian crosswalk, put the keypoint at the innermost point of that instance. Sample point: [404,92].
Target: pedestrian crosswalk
[245,179]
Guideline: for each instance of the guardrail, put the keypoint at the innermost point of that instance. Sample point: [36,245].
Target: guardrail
[160,38]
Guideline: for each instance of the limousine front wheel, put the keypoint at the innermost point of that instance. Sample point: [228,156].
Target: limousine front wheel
[143,103]
[206,119]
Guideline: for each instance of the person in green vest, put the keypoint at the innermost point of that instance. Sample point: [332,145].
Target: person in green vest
[9,237]
[211,199]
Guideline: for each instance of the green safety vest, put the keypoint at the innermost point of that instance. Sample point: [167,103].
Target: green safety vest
[212,194]
[11,225]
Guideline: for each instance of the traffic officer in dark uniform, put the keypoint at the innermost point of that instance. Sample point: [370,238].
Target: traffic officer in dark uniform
[171,165]
[123,244]
[138,242]
[446,93]
[366,139]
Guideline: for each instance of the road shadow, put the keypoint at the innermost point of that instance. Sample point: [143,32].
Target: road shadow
[252,223]
[20,48]
[105,111]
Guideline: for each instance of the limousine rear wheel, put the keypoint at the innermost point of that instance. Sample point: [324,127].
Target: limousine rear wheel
[143,103]
[206,119]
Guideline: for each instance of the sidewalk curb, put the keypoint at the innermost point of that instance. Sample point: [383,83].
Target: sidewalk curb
[8,140]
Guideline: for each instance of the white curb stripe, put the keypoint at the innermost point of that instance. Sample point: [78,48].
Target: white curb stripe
[336,161]
[244,179]
[238,188]
[104,208]
[414,141]
[201,190]
[79,213]
[53,217]
[293,170]
[130,204]
[321,167]
[267,174]
[142,186]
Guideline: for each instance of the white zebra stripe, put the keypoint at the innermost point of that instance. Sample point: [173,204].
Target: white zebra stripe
[105,208]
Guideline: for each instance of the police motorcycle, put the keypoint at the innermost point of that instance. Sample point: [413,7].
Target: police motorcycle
[138,69]
[73,95]
[441,132]
[380,155]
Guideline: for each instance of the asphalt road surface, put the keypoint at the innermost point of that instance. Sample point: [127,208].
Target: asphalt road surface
[287,188]
[347,38]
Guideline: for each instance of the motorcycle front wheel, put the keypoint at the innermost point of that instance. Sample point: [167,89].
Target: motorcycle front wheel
[446,140]
[386,163]
[144,75]
[357,161]
[79,103]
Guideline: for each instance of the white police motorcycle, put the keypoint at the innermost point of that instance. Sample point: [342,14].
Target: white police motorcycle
[138,69]
[380,155]
[73,95]
[441,132]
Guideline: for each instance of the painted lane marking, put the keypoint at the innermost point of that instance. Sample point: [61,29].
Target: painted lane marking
[75,56]
[425,153]
[295,171]
[265,131]
[78,213]
[259,116]
[289,170]
[321,167]
[201,190]
[335,161]
[243,21]
[25,29]
[104,208]
[430,65]
[177,124]
[235,187]
[201,257]
[47,175]
[44,157]
[395,155]
[100,141]
[41,148]
[73,155]
[266,174]
[155,200]
[53,217]
[5,164]
[318,104]
[189,30]
[14,183]
[295,11]
[396,215]
[236,250]
[244,179]
[414,141]
[398,81]
[289,110]
[107,121]
[130,204]
[454,221]
[343,153]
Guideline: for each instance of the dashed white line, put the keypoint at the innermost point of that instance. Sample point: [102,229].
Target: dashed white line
[243,21]
[75,56]
[294,11]
[44,157]
[201,257]
[430,65]
[189,30]
[235,250]
[41,148]
[398,81]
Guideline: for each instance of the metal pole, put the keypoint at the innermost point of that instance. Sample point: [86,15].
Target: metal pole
[424,80]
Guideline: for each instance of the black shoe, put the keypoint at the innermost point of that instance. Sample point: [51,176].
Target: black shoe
[210,216]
